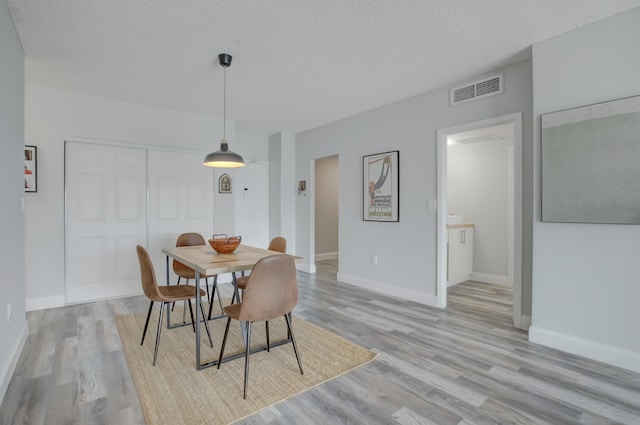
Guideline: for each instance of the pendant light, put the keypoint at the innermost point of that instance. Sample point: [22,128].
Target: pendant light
[224,158]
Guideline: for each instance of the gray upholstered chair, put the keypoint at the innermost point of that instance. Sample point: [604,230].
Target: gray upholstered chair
[271,292]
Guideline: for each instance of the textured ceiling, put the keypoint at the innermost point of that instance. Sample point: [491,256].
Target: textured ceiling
[296,65]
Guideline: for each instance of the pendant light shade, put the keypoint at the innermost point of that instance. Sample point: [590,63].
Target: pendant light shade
[224,158]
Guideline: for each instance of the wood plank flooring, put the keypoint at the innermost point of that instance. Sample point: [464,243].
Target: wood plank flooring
[462,365]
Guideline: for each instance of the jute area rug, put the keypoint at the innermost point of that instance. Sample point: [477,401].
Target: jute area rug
[174,392]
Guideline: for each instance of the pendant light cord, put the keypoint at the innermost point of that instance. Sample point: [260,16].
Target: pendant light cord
[224,108]
[224,158]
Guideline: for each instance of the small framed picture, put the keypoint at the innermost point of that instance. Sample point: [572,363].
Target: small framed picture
[30,169]
[224,183]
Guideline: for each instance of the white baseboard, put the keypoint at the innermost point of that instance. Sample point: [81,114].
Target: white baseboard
[393,290]
[525,322]
[458,280]
[307,268]
[41,303]
[326,256]
[587,348]
[495,279]
[7,369]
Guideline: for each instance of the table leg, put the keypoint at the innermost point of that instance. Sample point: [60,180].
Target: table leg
[236,296]
[213,296]
[168,283]
[198,308]
[236,292]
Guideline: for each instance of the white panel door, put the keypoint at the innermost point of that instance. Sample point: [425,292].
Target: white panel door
[105,212]
[251,190]
[180,201]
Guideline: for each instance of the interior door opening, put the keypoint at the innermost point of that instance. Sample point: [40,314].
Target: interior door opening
[327,179]
[479,196]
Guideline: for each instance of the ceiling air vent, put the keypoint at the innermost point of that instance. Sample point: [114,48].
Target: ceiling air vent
[477,90]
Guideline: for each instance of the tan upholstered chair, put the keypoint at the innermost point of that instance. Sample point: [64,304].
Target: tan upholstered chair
[277,244]
[164,295]
[271,292]
[186,272]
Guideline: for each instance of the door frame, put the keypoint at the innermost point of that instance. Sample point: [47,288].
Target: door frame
[311,192]
[441,214]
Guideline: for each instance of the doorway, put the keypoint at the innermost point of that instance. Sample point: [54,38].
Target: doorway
[327,178]
[497,216]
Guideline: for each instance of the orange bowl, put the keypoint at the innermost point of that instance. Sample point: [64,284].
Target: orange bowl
[225,245]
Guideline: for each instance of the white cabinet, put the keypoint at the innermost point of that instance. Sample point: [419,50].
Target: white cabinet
[460,253]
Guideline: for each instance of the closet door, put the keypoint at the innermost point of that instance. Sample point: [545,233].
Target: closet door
[180,201]
[106,218]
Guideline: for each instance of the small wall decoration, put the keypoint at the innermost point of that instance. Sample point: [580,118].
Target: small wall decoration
[30,169]
[224,183]
[302,187]
[381,196]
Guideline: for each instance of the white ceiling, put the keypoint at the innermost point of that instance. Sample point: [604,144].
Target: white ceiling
[296,65]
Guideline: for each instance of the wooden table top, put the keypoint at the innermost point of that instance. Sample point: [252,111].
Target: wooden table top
[208,262]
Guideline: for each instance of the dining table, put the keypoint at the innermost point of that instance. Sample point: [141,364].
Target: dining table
[207,262]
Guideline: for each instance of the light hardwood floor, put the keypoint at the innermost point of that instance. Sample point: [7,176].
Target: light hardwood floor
[462,365]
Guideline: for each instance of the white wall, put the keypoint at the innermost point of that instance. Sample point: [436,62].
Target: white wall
[586,284]
[275,173]
[13,333]
[326,192]
[282,189]
[252,144]
[408,126]
[477,189]
[53,115]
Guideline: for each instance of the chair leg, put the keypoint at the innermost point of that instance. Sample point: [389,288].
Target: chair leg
[146,324]
[193,321]
[293,341]
[155,352]
[215,284]
[174,303]
[224,342]
[266,327]
[247,351]
[206,325]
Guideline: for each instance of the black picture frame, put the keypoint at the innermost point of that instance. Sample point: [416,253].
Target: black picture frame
[224,184]
[30,168]
[381,187]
